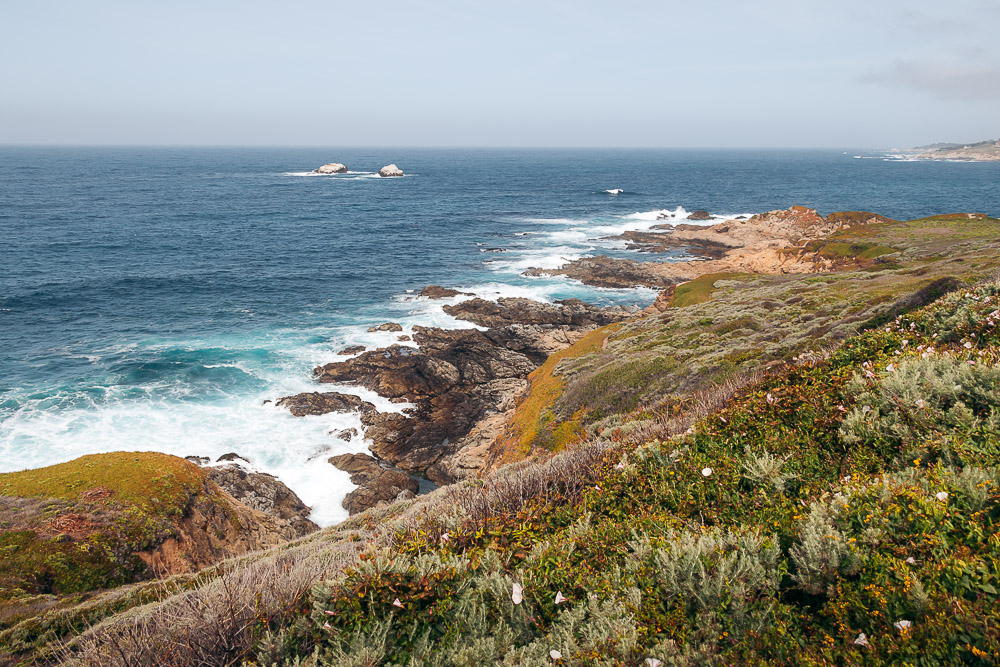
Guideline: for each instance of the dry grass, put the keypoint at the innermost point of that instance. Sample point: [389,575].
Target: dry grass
[219,621]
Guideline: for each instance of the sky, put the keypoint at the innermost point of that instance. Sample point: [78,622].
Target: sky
[546,73]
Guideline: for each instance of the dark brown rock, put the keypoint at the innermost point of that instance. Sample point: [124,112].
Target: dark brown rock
[438,292]
[603,271]
[353,349]
[347,434]
[403,339]
[506,311]
[376,484]
[321,403]
[701,215]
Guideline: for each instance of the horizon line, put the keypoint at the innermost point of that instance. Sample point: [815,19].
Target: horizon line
[430,146]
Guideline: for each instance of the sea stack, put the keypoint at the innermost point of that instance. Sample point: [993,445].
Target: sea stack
[390,170]
[331,168]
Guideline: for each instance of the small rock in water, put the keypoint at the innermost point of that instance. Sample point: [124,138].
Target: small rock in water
[353,349]
[347,434]
[331,168]
[388,326]
[700,215]
[390,170]
[438,292]
[231,456]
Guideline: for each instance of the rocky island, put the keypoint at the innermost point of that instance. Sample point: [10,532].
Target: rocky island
[331,168]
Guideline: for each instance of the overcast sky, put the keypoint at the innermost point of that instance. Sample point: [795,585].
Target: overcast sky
[872,73]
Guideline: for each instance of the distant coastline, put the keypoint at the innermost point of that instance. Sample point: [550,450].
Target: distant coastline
[983,151]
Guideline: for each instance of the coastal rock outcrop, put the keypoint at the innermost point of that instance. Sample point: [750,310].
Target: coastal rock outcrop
[267,494]
[461,383]
[772,242]
[353,349]
[376,484]
[331,168]
[603,271]
[390,170]
[438,292]
[321,403]
[700,215]
[515,310]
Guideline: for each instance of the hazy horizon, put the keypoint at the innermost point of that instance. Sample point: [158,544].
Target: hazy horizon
[548,74]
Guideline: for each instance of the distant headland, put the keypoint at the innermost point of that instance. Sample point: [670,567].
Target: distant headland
[983,151]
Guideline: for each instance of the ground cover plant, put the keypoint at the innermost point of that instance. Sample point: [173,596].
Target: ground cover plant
[792,470]
[841,511]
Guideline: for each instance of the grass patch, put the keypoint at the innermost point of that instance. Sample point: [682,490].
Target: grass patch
[146,479]
[700,289]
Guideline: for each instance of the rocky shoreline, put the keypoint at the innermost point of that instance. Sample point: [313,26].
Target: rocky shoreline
[460,386]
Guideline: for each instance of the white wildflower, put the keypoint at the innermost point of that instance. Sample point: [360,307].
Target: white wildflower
[968,345]
[902,626]
[771,399]
[890,368]
[560,598]
[910,560]
[516,595]
[445,537]
[861,640]
[957,387]
[397,603]
[920,403]
[326,626]
[653,662]
[706,472]
[941,496]
[555,655]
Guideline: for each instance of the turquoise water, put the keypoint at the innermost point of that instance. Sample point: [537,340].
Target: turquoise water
[155,298]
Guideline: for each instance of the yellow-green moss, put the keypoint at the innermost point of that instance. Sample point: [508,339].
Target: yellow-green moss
[544,388]
[147,479]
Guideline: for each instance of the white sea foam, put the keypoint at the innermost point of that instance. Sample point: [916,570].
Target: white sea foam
[179,418]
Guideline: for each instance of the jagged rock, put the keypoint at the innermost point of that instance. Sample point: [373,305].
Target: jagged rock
[388,326]
[438,292]
[347,434]
[232,457]
[700,215]
[662,302]
[331,168]
[376,484]
[199,460]
[603,271]
[265,493]
[321,403]
[507,310]
[353,349]
[390,170]
[404,339]
[454,379]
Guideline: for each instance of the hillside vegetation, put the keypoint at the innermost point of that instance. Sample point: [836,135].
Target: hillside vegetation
[780,469]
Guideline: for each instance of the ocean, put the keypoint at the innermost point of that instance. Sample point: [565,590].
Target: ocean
[155,299]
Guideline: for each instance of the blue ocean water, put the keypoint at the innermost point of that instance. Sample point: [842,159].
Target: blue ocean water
[155,298]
